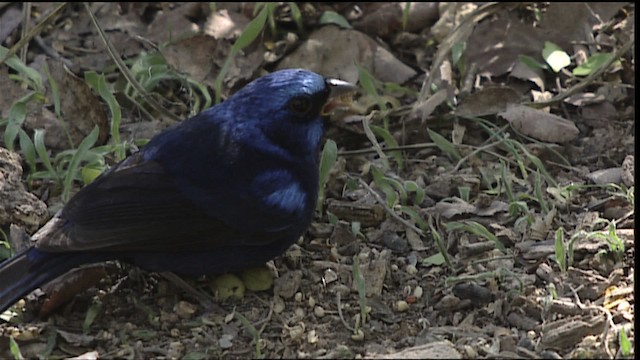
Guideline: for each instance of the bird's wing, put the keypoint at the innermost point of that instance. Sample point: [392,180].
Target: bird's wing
[137,206]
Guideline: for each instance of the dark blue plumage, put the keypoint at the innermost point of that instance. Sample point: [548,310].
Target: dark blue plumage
[229,188]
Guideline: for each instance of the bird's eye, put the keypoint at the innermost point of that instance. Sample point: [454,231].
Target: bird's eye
[300,105]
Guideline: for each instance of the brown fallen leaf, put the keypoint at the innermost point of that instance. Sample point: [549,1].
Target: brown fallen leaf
[331,51]
[488,101]
[193,56]
[64,288]
[386,20]
[80,109]
[540,125]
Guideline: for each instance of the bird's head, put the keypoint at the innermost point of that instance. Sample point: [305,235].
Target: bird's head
[286,106]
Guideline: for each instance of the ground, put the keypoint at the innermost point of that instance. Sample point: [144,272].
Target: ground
[481,201]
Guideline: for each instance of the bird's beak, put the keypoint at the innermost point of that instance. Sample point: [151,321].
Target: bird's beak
[341,95]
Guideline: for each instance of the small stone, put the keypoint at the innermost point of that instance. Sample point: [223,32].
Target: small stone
[318,311]
[298,297]
[417,292]
[225,341]
[185,309]
[175,349]
[312,337]
[312,301]
[330,276]
[287,285]
[296,332]
[623,306]
[299,312]
[401,306]
[278,305]
[411,269]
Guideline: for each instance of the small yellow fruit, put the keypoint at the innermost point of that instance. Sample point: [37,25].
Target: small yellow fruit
[226,286]
[257,278]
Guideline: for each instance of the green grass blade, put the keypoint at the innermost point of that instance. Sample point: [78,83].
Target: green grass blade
[28,150]
[444,145]
[255,334]
[38,140]
[327,159]
[99,84]
[15,349]
[17,116]
[390,141]
[439,243]
[79,155]
[412,186]
[361,286]
[561,256]
[33,76]
[381,183]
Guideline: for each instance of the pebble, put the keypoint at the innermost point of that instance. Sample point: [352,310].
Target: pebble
[417,292]
[175,349]
[411,269]
[296,332]
[278,305]
[312,337]
[318,311]
[401,306]
[225,341]
[624,305]
[330,276]
[287,285]
[185,309]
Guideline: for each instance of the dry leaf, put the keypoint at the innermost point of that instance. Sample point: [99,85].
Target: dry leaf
[331,51]
[539,124]
[487,101]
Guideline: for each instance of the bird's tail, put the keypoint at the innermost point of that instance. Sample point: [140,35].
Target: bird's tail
[28,270]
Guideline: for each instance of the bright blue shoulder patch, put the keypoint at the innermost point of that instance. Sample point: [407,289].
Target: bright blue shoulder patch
[279,189]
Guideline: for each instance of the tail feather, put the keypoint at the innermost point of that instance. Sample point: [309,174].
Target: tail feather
[28,270]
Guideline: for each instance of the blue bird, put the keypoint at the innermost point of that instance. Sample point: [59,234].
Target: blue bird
[227,189]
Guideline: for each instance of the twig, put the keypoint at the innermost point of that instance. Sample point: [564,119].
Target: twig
[388,149]
[340,313]
[608,324]
[48,50]
[372,138]
[33,32]
[267,319]
[26,17]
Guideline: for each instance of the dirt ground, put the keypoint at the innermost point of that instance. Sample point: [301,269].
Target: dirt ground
[481,204]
